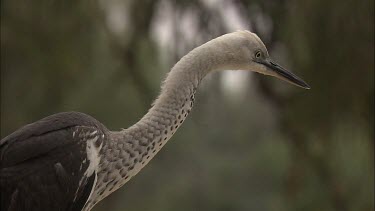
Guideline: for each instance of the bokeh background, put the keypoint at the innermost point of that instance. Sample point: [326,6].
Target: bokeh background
[252,142]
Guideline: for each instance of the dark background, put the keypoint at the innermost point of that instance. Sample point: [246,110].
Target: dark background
[252,142]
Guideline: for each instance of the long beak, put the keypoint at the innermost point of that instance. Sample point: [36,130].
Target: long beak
[284,74]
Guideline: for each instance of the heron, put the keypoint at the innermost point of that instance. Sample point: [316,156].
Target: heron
[71,161]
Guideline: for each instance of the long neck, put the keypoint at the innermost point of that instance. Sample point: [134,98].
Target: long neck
[129,150]
[174,103]
[172,106]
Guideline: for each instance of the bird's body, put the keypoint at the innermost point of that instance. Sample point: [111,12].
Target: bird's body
[70,161]
[40,161]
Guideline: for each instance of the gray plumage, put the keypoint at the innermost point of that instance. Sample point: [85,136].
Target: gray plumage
[70,161]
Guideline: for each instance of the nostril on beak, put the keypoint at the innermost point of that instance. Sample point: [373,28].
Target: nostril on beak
[274,64]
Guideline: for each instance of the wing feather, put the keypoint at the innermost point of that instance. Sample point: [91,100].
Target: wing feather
[44,170]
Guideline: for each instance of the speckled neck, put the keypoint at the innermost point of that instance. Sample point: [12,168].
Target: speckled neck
[131,149]
[168,112]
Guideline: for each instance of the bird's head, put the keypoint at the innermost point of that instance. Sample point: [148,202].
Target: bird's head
[246,51]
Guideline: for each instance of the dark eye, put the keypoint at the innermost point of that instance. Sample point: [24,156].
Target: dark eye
[258,54]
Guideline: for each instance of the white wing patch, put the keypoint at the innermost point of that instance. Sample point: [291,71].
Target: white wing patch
[92,154]
[94,158]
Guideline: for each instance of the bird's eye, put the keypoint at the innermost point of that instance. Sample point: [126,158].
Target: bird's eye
[258,54]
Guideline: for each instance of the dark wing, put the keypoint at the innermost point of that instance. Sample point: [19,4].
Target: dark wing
[43,164]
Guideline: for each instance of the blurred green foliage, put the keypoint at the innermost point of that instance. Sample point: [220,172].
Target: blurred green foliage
[274,147]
